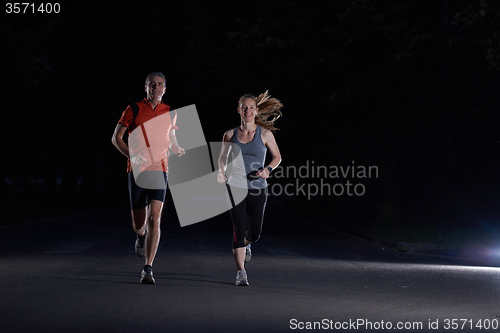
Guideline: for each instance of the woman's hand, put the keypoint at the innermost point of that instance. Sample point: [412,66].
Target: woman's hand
[263,173]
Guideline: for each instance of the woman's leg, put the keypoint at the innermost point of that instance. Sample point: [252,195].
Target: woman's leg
[256,204]
[239,219]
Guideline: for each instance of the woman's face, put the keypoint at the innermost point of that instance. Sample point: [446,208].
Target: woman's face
[248,110]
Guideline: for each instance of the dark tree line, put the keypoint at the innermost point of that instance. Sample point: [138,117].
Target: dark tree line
[409,86]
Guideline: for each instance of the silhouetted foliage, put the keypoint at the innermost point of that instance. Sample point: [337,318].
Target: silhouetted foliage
[406,85]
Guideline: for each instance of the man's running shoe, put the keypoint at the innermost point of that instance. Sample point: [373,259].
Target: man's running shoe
[139,244]
[248,253]
[147,275]
[241,278]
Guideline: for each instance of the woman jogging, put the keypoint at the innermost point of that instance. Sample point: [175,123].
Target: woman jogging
[252,138]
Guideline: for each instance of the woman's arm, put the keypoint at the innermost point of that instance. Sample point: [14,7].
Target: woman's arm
[226,139]
[269,140]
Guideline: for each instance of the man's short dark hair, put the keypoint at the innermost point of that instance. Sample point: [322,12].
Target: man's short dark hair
[160,74]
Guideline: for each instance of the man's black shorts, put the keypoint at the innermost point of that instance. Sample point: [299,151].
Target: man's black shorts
[141,197]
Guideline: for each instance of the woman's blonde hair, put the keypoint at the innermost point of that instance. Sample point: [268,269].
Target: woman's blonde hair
[268,107]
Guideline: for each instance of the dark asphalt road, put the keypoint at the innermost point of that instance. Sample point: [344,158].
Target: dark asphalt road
[79,274]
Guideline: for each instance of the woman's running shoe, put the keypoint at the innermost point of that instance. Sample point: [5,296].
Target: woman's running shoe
[248,253]
[241,278]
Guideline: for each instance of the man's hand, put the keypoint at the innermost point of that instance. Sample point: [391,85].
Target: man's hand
[179,151]
[221,177]
[138,160]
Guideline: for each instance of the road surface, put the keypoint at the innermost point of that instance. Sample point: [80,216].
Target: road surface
[79,273]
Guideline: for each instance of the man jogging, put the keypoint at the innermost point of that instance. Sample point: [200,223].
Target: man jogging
[151,128]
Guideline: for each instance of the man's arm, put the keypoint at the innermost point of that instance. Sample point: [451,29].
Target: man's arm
[117,140]
[179,151]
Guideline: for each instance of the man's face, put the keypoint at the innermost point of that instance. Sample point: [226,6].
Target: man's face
[155,89]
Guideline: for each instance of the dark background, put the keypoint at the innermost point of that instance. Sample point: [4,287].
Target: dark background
[408,86]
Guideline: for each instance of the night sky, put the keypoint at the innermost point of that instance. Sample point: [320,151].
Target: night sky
[407,86]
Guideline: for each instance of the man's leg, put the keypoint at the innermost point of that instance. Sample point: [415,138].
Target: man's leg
[153,237]
[138,205]
[152,219]
[139,220]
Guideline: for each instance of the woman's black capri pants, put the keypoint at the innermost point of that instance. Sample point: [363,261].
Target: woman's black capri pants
[247,217]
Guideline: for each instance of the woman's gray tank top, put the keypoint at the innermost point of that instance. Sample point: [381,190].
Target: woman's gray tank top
[254,155]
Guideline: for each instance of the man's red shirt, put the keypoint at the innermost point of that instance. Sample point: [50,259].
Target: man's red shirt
[154,134]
